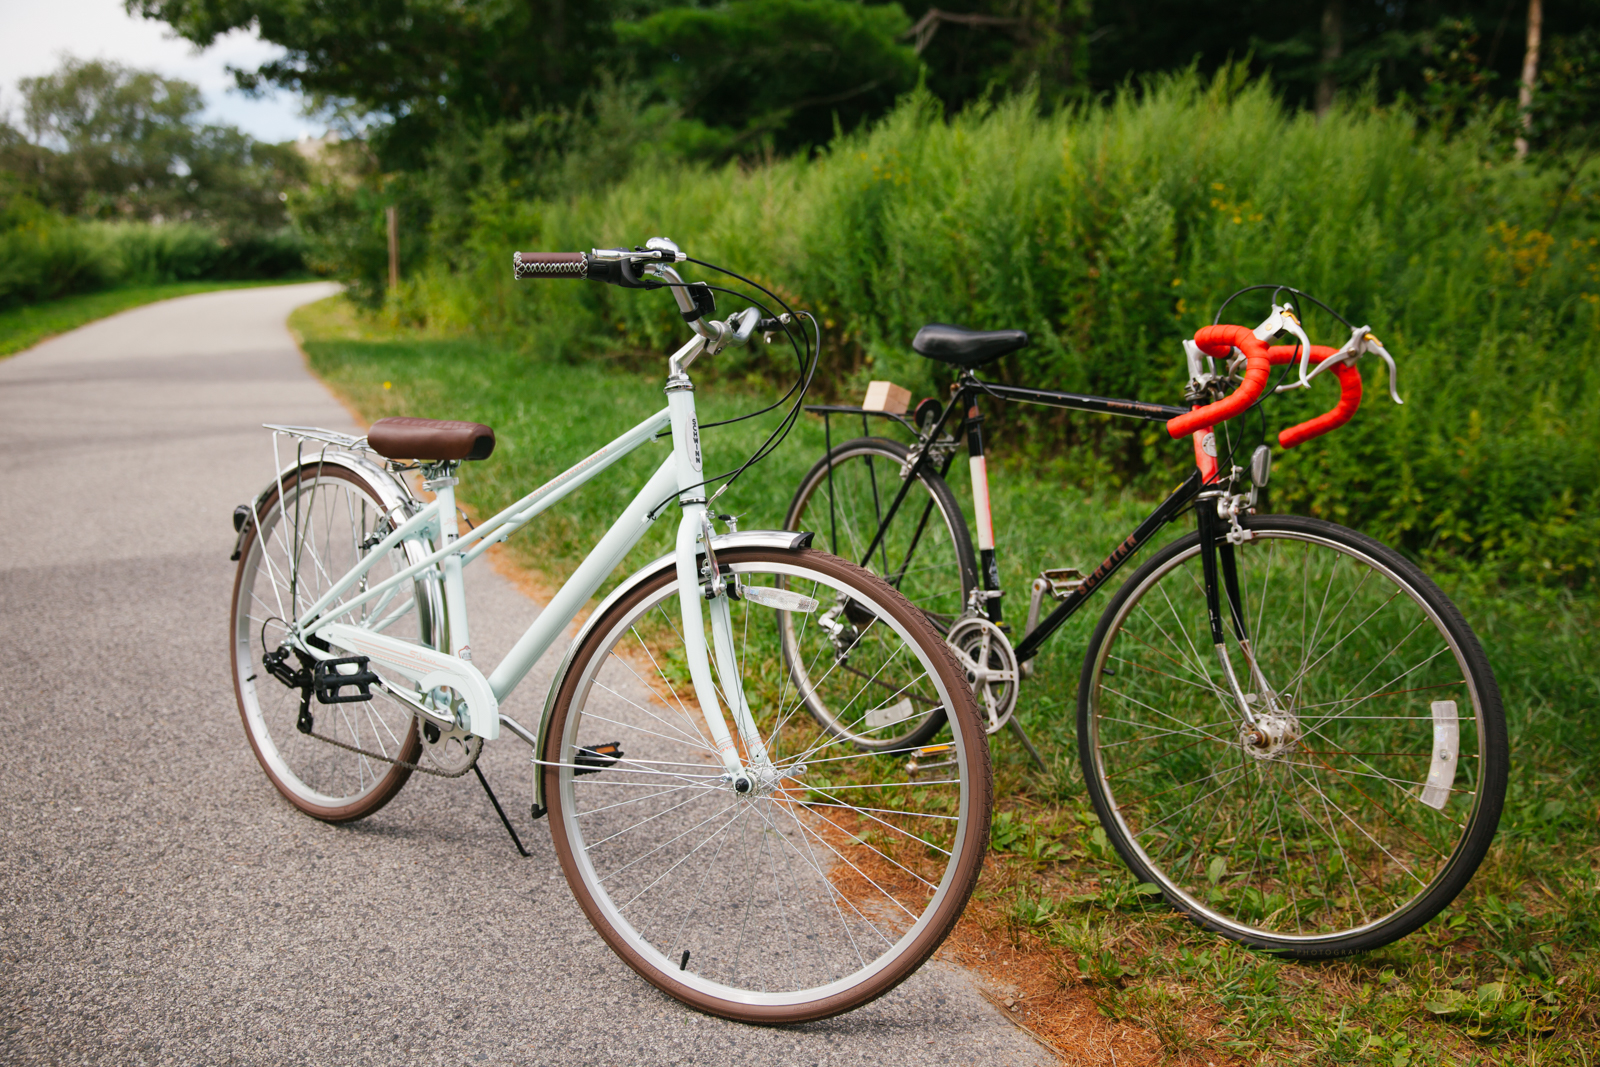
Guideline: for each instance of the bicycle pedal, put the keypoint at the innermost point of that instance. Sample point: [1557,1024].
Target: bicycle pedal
[592,759]
[327,680]
[1063,581]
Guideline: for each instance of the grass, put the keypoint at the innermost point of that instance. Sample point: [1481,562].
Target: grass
[24,327]
[1510,973]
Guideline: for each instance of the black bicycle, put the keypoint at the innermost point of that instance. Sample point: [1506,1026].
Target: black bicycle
[1283,724]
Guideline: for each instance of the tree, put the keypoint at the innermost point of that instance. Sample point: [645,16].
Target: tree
[103,140]
[1314,50]
[418,66]
[1530,72]
[1563,117]
[779,69]
[974,46]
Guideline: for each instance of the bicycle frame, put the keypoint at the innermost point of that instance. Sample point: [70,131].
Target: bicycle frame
[964,394]
[679,474]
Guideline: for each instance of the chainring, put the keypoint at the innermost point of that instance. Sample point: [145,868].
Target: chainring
[454,752]
[990,665]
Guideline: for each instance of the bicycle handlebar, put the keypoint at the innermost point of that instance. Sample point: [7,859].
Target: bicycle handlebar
[648,267]
[1218,341]
[549,265]
[1349,393]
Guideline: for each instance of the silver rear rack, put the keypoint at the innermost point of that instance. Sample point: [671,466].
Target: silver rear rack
[327,437]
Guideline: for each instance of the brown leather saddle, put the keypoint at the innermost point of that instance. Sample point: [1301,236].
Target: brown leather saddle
[432,439]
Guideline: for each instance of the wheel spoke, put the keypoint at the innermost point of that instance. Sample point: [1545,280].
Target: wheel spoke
[1312,825]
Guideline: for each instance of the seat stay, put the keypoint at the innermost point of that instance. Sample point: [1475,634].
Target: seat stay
[894,509]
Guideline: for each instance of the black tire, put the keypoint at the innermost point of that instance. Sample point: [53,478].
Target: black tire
[926,553]
[843,869]
[1346,819]
[336,509]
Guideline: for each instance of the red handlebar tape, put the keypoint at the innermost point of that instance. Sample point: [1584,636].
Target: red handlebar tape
[1218,341]
[1349,394]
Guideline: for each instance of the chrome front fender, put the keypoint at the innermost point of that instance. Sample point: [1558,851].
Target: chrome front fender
[783,539]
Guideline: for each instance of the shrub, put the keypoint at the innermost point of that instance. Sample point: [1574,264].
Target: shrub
[44,256]
[1110,232]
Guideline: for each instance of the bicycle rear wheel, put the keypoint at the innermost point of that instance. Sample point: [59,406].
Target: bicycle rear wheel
[837,875]
[1369,790]
[925,553]
[294,551]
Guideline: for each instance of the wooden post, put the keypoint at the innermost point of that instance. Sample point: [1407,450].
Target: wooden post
[1530,73]
[1332,49]
[394,246]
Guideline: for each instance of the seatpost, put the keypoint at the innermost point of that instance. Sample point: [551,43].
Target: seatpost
[440,479]
[988,566]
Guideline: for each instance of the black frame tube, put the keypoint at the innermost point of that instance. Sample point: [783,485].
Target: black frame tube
[1099,405]
[1164,513]
[964,393]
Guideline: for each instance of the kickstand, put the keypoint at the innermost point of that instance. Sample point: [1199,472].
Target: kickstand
[1011,722]
[515,840]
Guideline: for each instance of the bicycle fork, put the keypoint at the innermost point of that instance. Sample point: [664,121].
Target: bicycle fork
[1268,729]
[696,598]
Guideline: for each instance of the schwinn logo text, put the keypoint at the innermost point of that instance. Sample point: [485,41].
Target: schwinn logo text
[1118,554]
[694,438]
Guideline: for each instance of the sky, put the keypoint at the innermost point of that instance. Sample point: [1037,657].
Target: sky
[35,33]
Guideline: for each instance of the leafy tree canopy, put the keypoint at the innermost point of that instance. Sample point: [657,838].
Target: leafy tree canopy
[421,65]
[786,67]
[102,140]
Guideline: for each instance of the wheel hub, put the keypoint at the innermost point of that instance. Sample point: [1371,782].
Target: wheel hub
[761,780]
[1272,736]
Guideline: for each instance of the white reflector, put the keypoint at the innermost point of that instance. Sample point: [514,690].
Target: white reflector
[782,599]
[1446,743]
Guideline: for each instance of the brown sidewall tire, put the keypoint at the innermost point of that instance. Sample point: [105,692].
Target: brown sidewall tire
[970,862]
[410,750]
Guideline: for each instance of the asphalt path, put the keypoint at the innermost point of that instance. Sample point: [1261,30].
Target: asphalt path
[159,902]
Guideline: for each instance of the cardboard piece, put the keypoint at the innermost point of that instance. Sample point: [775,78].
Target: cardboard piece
[887,397]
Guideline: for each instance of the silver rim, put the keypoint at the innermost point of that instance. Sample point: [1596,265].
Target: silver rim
[792,896]
[1359,790]
[293,559]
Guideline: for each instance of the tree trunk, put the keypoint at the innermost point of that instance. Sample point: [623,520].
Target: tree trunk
[1332,49]
[1530,73]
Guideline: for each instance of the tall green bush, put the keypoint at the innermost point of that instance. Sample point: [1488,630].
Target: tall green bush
[44,256]
[1110,233]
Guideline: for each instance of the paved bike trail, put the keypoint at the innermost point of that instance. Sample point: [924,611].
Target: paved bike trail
[159,902]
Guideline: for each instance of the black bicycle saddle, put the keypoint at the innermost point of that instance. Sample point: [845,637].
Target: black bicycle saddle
[965,348]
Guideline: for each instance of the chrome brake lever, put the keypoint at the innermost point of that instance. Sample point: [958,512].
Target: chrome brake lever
[1361,342]
[1374,345]
[1292,324]
[1283,319]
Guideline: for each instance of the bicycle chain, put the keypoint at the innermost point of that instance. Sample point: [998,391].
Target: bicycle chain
[391,759]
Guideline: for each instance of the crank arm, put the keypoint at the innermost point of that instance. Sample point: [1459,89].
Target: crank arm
[410,700]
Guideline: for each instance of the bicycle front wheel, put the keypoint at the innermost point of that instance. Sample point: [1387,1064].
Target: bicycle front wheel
[832,879]
[925,552]
[1367,791]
